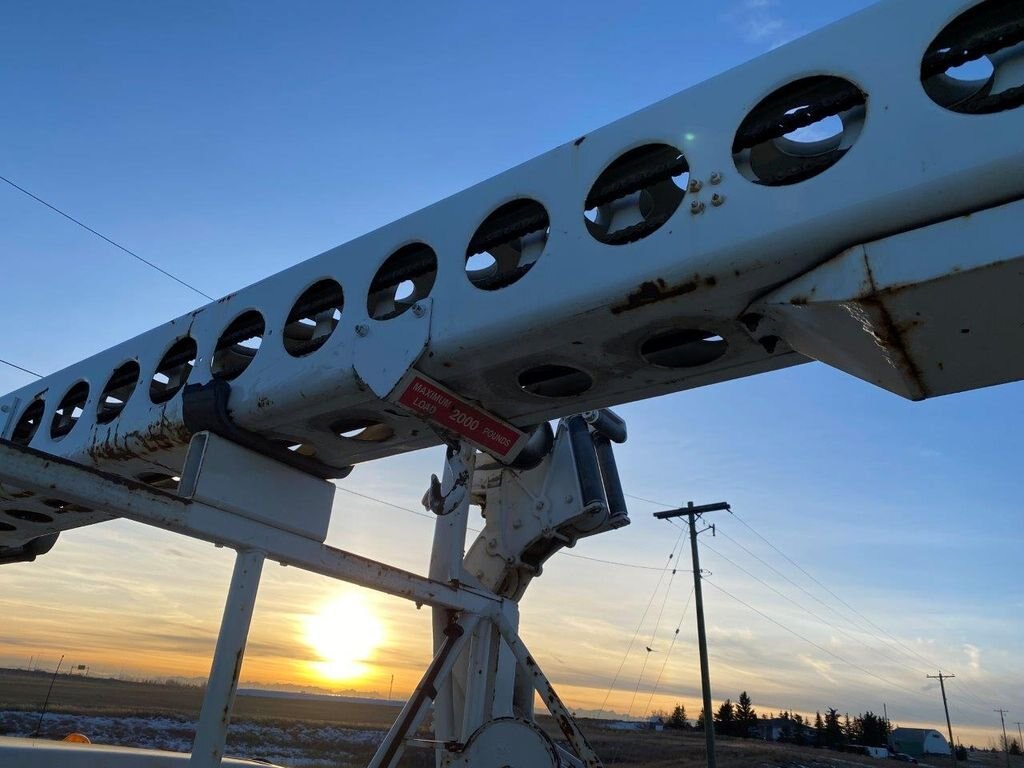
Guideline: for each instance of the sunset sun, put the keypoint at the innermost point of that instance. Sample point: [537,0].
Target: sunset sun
[344,633]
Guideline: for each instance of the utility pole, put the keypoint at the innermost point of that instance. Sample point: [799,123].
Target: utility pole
[942,685]
[1006,744]
[1020,736]
[693,512]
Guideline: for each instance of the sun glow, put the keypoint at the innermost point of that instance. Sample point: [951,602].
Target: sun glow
[344,633]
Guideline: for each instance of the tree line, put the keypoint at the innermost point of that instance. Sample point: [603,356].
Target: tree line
[829,730]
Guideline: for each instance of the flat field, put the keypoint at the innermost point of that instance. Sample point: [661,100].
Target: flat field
[339,734]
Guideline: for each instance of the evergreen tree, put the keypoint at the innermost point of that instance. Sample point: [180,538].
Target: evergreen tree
[1014,747]
[819,730]
[786,732]
[799,737]
[701,720]
[833,729]
[870,729]
[746,717]
[678,718]
[725,720]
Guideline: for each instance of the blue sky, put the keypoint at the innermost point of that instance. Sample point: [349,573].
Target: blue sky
[228,141]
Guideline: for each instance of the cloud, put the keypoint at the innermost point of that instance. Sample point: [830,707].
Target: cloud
[973,656]
[821,668]
[760,22]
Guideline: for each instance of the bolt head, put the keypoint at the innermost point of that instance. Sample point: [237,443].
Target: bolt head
[694,186]
[696,207]
[539,505]
[715,178]
[717,199]
[362,329]
[568,498]
[419,310]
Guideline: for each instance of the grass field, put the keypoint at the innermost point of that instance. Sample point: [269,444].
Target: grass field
[338,734]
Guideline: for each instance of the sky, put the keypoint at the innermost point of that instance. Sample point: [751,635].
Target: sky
[227,141]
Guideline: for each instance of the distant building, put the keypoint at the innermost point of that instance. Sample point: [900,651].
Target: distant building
[780,728]
[625,725]
[917,742]
[653,723]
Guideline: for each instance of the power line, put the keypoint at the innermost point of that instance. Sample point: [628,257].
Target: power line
[117,245]
[643,616]
[973,700]
[833,594]
[821,648]
[410,510]
[26,370]
[899,646]
[668,653]
[573,555]
[798,605]
[648,501]
[654,634]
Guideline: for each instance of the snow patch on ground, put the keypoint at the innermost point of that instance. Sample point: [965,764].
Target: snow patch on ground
[297,745]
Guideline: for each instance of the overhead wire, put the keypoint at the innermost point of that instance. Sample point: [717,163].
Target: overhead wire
[892,642]
[668,653]
[572,555]
[803,608]
[833,594]
[20,368]
[899,647]
[807,640]
[650,645]
[636,634]
[896,645]
[103,237]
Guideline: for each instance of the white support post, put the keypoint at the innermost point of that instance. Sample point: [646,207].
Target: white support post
[479,679]
[215,716]
[531,671]
[415,709]
[446,565]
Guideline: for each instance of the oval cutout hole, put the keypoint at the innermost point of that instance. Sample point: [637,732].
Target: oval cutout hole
[636,194]
[507,244]
[28,422]
[115,393]
[404,278]
[162,480]
[799,130]
[313,318]
[60,507]
[28,516]
[683,348]
[70,410]
[238,345]
[975,66]
[173,370]
[555,381]
[365,430]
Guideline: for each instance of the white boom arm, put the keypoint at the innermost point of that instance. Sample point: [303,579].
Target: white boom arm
[701,239]
[723,232]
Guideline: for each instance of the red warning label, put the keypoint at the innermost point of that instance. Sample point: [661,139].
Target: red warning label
[434,402]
